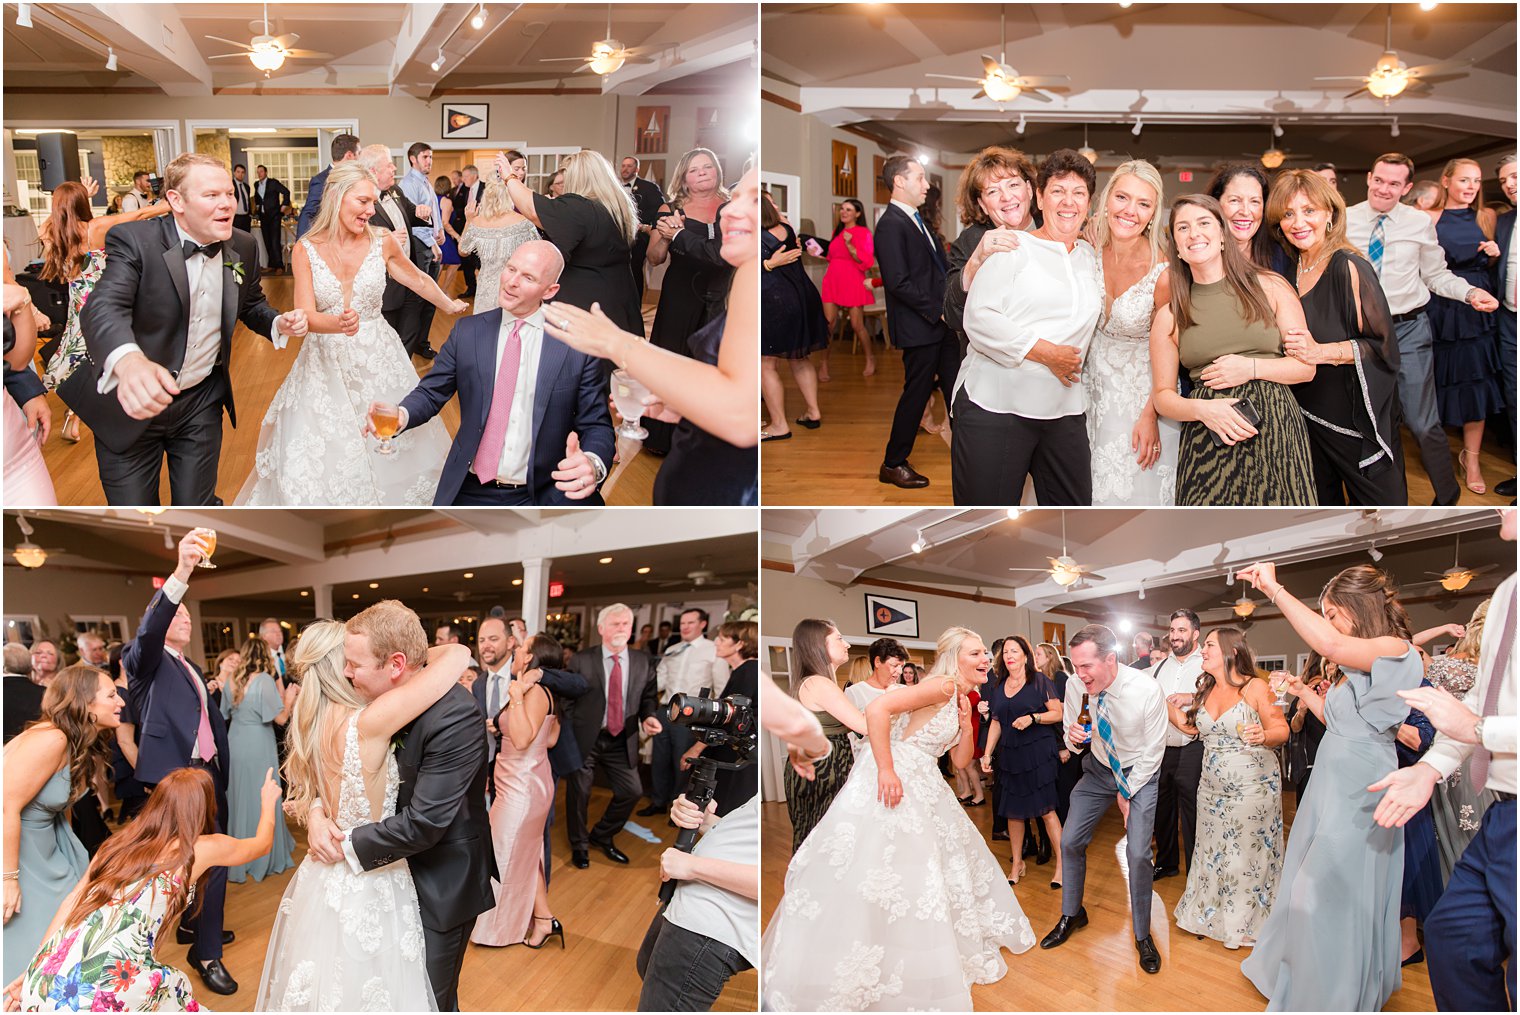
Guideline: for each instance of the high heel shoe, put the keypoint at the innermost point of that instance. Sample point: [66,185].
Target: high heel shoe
[1019,876]
[1480,487]
[555,929]
[70,429]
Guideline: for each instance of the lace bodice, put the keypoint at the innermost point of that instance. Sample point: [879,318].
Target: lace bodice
[1129,316]
[368,286]
[353,799]
[934,737]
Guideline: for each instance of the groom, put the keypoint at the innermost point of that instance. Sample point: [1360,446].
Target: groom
[158,334]
[440,826]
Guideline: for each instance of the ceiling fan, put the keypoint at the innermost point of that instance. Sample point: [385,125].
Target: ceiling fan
[1064,570]
[607,55]
[1275,156]
[1243,606]
[698,578]
[1391,76]
[1455,578]
[267,52]
[1000,82]
[1088,153]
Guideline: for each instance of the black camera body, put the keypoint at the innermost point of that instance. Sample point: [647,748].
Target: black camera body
[717,722]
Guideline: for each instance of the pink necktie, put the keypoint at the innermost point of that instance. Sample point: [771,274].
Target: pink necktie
[494,438]
[205,743]
[615,697]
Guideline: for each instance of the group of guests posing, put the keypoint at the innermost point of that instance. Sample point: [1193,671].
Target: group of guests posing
[1262,352]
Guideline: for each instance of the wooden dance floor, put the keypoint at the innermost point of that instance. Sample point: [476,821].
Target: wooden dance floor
[838,463]
[1097,968]
[257,372]
[605,910]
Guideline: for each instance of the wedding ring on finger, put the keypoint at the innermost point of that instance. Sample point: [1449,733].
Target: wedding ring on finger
[564,324]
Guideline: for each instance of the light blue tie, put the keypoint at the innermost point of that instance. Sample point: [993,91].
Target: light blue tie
[1375,245]
[1106,736]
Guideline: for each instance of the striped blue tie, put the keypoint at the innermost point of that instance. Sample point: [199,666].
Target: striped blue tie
[1375,245]
[1106,736]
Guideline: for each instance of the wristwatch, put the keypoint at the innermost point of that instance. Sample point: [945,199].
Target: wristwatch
[1478,731]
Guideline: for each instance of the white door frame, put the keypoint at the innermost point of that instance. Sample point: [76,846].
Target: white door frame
[793,185]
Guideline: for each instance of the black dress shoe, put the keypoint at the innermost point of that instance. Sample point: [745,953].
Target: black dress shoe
[1414,959]
[1158,872]
[580,858]
[186,936]
[999,836]
[215,976]
[1505,487]
[613,853]
[1150,959]
[652,810]
[426,352]
[1063,929]
[903,476]
[814,424]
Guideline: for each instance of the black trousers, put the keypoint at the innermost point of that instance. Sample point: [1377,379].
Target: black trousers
[1338,481]
[417,314]
[1177,795]
[243,222]
[469,264]
[189,432]
[269,226]
[445,957]
[610,754]
[636,260]
[992,453]
[681,969]
[925,367]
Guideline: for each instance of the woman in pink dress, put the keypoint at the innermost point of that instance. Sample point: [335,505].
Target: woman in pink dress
[27,482]
[851,255]
[524,792]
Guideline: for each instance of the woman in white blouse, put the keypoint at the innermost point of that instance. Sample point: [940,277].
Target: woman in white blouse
[1030,315]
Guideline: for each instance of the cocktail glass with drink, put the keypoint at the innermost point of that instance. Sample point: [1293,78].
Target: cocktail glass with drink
[1279,681]
[208,539]
[628,394]
[386,421]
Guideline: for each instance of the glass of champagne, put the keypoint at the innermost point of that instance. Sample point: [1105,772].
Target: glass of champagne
[628,394]
[208,538]
[1279,681]
[386,420]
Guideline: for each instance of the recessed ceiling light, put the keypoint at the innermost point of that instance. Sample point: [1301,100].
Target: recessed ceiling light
[374,585]
[516,581]
[424,588]
[469,574]
[605,560]
[304,593]
[356,595]
[644,570]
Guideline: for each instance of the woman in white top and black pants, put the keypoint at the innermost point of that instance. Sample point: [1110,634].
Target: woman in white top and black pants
[1030,316]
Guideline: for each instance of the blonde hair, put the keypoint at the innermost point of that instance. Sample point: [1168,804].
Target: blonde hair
[392,627]
[1146,173]
[1320,194]
[176,171]
[318,658]
[342,178]
[947,653]
[1471,641]
[256,659]
[495,201]
[678,192]
[590,175]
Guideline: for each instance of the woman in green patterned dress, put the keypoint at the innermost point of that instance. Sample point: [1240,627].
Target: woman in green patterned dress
[818,650]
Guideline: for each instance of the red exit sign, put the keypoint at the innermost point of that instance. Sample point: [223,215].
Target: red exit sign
[158,583]
[1186,176]
[556,590]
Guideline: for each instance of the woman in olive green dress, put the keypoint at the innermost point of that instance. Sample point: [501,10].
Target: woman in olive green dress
[818,650]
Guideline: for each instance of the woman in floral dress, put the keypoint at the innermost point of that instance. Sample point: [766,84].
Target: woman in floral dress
[98,953]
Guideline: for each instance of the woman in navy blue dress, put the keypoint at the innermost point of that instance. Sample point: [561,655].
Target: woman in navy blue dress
[1026,718]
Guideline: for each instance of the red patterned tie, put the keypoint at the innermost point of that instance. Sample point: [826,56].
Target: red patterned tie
[494,438]
[205,743]
[615,697]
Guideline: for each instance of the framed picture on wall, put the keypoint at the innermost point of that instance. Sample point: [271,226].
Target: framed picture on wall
[710,128]
[654,170]
[466,120]
[846,169]
[887,617]
[883,192]
[654,127]
[1055,634]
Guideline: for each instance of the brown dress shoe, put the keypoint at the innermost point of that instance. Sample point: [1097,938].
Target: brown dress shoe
[903,476]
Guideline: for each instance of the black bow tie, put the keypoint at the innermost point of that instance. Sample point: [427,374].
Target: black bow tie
[210,250]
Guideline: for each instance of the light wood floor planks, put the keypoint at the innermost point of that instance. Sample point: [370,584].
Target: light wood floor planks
[1096,969]
[257,371]
[838,463]
[605,910]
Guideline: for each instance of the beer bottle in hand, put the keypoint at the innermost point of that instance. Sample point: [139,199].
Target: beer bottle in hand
[1085,717]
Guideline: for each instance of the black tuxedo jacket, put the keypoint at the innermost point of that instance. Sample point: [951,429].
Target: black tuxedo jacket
[314,188]
[244,190]
[440,826]
[143,296]
[1504,229]
[647,198]
[166,703]
[565,755]
[395,292]
[275,195]
[641,699]
[913,279]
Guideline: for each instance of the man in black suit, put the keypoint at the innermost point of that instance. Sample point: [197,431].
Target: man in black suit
[158,336]
[269,196]
[913,275]
[606,724]
[647,198]
[440,826]
[394,211]
[180,726]
[23,695]
[1505,234]
[344,147]
[242,216]
[467,194]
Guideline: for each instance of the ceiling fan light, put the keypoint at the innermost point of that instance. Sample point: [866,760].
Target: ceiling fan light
[1387,84]
[1244,608]
[1065,578]
[267,57]
[605,59]
[29,555]
[1273,157]
[999,88]
[1089,154]
[1456,582]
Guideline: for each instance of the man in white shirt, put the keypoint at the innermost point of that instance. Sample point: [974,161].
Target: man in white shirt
[1127,740]
[1182,764]
[1471,932]
[686,668]
[140,196]
[1410,265]
[887,657]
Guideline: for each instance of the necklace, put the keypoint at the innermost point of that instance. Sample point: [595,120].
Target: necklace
[1302,270]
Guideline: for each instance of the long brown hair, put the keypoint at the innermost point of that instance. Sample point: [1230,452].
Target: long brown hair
[66,233]
[810,652]
[1054,655]
[256,659]
[1240,275]
[1239,668]
[67,706]
[181,808]
[1371,597]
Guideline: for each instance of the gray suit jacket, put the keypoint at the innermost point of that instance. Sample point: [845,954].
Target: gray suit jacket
[589,711]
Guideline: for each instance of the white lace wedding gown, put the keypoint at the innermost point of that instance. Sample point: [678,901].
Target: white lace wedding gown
[1117,377]
[892,909]
[344,941]
[310,448]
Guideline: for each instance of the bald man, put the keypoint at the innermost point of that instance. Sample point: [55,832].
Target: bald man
[533,421]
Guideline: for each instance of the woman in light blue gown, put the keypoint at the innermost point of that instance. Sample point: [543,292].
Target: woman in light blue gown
[252,704]
[1331,940]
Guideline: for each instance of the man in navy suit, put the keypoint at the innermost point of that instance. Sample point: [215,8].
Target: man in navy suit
[523,399]
[1505,234]
[913,276]
[180,727]
[344,147]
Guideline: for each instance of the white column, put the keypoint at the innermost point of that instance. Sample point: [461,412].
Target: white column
[535,592]
[322,601]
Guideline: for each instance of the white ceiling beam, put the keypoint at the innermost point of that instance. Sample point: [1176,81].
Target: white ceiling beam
[833,534]
[418,23]
[493,522]
[692,56]
[446,31]
[148,38]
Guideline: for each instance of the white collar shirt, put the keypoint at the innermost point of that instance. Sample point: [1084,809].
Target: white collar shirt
[1137,711]
[1414,265]
[1499,730]
[1178,676]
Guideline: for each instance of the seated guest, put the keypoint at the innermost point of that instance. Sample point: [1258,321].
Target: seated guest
[534,426]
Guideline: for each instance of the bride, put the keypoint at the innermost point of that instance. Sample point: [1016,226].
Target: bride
[344,941]
[894,902]
[310,449]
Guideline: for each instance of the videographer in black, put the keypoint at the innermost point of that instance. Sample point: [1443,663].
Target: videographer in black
[738,645]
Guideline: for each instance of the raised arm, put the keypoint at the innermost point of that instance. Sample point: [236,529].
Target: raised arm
[400,705]
[1315,630]
[662,234]
[219,850]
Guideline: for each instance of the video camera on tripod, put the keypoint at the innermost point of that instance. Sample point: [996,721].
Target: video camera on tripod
[717,722]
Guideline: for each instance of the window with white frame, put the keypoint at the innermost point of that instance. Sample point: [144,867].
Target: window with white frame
[220,633]
[39,201]
[543,163]
[112,628]
[22,627]
[293,167]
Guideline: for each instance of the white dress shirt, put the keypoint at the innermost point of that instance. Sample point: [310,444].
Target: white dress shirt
[1136,710]
[689,666]
[916,216]
[1499,731]
[134,200]
[1509,285]
[1414,265]
[863,692]
[1178,676]
[1039,291]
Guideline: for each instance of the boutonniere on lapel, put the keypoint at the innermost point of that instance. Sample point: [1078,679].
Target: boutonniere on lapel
[238,272]
[398,739]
